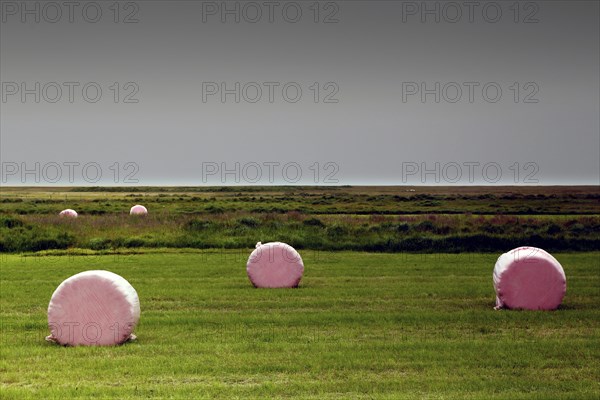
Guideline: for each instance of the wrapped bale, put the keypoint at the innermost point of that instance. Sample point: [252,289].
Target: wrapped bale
[275,265]
[93,308]
[529,278]
[68,213]
[138,210]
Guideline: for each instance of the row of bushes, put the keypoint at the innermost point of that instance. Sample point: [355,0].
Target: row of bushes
[448,244]
[549,227]
[431,234]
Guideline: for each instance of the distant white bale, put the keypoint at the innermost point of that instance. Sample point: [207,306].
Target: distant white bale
[68,213]
[275,265]
[93,308]
[138,210]
[529,278]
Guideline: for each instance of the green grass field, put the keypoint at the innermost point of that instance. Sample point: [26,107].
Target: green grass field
[360,326]
[396,301]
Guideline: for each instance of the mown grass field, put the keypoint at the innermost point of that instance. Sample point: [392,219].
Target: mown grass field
[360,326]
[396,301]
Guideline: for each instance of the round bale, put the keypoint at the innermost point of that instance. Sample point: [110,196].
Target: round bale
[275,265]
[68,213]
[93,308]
[138,210]
[529,278]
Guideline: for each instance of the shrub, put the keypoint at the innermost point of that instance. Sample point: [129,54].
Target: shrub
[425,226]
[10,222]
[99,244]
[48,242]
[554,229]
[442,230]
[134,242]
[249,222]
[196,225]
[314,222]
[337,230]
[403,227]
[577,228]
[493,228]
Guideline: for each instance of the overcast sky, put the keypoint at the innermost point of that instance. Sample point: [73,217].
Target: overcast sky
[344,92]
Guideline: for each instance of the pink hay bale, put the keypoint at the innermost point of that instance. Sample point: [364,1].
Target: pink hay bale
[275,265]
[529,278]
[138,210]
[93,308]
[68,213]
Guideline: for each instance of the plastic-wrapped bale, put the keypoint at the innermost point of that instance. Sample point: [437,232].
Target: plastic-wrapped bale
[93,308]
[68,213]
[275,265]
[138,210]
[529,278]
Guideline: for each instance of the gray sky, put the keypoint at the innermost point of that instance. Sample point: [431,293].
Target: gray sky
[367,72]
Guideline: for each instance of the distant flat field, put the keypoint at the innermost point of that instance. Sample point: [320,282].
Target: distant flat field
[365,218]
[360,326]
[392,200]
[407,190]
